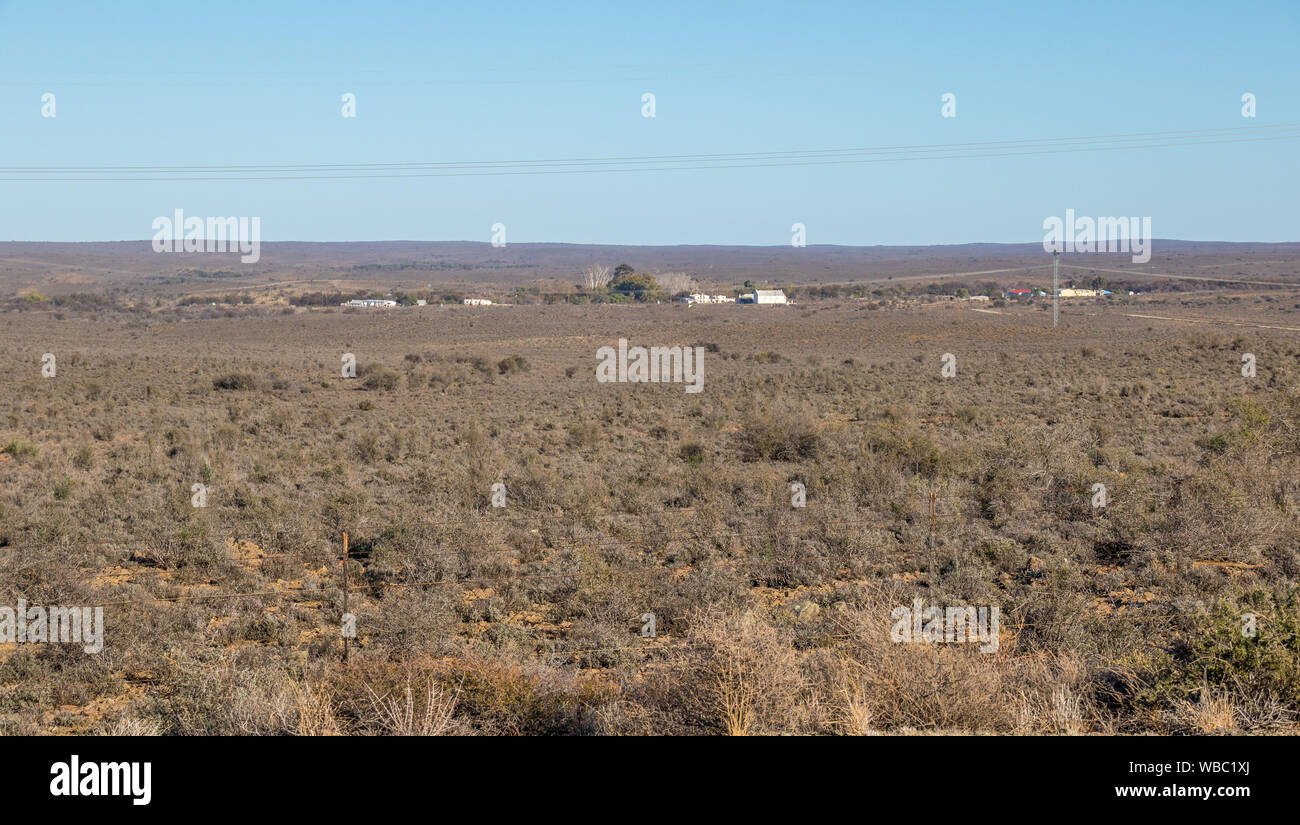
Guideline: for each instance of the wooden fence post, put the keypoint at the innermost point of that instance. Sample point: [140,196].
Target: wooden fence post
[345,595]
[931,518]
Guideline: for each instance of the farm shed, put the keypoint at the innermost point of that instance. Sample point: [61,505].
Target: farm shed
[767,296]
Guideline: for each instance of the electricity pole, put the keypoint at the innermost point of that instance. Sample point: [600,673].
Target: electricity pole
[1056,285]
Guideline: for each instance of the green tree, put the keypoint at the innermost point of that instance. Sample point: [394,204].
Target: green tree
[641,287]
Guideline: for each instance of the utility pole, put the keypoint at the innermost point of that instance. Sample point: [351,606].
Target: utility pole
[1056,286]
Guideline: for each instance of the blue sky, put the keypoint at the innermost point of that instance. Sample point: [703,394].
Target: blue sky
[260,83]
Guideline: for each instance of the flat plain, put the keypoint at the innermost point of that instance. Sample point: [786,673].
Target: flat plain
[628,506]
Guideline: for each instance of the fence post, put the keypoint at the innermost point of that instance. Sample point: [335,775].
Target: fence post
[931,518]
[345,594]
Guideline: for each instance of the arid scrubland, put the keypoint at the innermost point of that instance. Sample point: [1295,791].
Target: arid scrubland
[623,500]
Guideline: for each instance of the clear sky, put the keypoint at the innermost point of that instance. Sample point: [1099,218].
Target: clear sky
[236,83]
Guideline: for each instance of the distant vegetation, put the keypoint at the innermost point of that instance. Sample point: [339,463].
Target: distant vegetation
[233,298]
[74,302]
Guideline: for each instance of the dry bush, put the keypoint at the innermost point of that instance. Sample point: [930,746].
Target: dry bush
[786,439]
[130,726]
[1212,712]
[313,712]
[402,717]
[470,694]
[927,686]
[742,676]
[234,381]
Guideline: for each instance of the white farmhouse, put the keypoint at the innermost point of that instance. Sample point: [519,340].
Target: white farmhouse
[1083,293]
[705,298]
[477,302]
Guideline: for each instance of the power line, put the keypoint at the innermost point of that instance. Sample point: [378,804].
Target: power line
[664,158]
[820,157]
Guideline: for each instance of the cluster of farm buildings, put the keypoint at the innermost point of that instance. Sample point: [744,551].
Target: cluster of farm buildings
[755,296]
[385,302]
[1036,292]
[775,296]
[1065,292]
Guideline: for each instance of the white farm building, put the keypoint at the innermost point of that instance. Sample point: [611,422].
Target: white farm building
[763,296]
[703,298]
[1082,293]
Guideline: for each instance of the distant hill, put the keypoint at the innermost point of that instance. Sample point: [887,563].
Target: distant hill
[133,266]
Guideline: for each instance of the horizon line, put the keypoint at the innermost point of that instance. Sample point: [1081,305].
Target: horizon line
[661,245]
